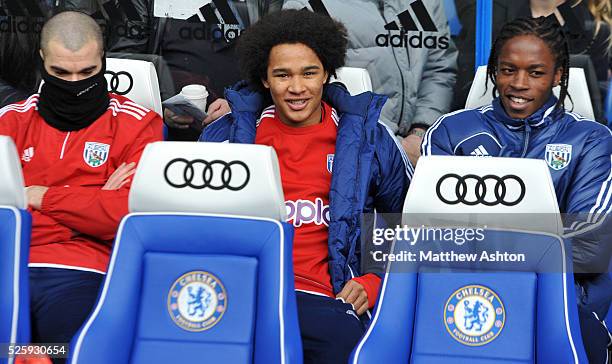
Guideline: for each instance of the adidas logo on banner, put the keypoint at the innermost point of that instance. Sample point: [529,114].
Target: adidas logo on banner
[480,151]
[226,16]
[17,16]
[408,24]
[318,7]
[29,8]
[228,26]
[121,9]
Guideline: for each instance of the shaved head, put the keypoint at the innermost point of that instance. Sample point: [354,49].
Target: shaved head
[72,30]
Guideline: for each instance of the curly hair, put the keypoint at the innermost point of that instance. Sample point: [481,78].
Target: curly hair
[544,28]
[324,35]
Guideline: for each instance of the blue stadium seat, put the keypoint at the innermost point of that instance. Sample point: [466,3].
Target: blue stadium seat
[483,312]
[202,268]
[478,311]
[15,227]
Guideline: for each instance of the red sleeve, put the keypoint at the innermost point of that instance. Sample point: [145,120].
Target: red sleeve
[46,230]
[8,122]
[371,284]
[88,210]
[91,210]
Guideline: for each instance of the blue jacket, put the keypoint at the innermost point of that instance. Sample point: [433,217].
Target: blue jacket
[582,180]
[370,170]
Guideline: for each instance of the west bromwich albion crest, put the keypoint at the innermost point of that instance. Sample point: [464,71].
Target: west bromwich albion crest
[197,300]
[95,154]
[330,162]
[558,156]
[474,315]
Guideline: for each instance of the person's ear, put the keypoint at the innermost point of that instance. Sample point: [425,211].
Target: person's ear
[557,77]
[265,83]
[326,77]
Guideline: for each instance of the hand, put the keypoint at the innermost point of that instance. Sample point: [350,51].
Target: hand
[120,176]
[177,121]
[412,146]
[216,109]
[356,295]
[35,194]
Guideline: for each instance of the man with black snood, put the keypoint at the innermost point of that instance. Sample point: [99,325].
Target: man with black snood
[79,145]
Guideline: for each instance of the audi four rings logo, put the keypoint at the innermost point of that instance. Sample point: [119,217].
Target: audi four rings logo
[199,174]
[120,83]
[481,194]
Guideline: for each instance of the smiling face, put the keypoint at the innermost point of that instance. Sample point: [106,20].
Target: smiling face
[295,78]
[526,74]
[72,66]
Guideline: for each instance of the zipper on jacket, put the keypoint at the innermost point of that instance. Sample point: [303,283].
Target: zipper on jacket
[64,145]
[526,138]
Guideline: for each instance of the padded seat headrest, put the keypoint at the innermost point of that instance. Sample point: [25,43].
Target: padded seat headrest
[356,80]
[136,80]
[12,191]
[215,178]
[464,187]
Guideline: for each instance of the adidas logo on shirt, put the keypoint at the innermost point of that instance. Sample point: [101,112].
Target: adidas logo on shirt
[27,155]
[480,151]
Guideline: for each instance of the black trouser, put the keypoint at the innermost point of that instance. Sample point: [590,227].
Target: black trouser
[60,301]
[330,328]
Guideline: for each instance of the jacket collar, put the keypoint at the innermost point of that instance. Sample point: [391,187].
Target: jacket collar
[247,104]
[541,118]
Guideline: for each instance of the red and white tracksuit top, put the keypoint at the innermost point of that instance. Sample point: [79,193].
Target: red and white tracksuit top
[78,220]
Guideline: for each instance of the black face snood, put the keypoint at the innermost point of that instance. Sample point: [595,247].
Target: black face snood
[73,105]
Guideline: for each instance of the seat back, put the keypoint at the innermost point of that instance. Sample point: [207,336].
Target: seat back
[202,267]
[580,102]
[136,80]
[15,226]
[513,193]
[517,309]
[356,80]
[482,274]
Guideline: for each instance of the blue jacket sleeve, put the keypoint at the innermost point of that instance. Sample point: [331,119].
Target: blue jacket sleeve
[437,139]
[394,175]
[218,131]
[588,204]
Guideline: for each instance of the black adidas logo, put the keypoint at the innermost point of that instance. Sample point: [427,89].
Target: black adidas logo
[122,9]
[408,24]
[21,16]
[317,6]
[228,26]
[29,8]
[26,16]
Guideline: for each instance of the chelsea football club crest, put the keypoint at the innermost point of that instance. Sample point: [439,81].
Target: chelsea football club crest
[330,162]
[474,315]
[95,154]
[558,156]
[197,300]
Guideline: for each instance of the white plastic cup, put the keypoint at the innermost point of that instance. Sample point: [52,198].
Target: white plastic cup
[197,94]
